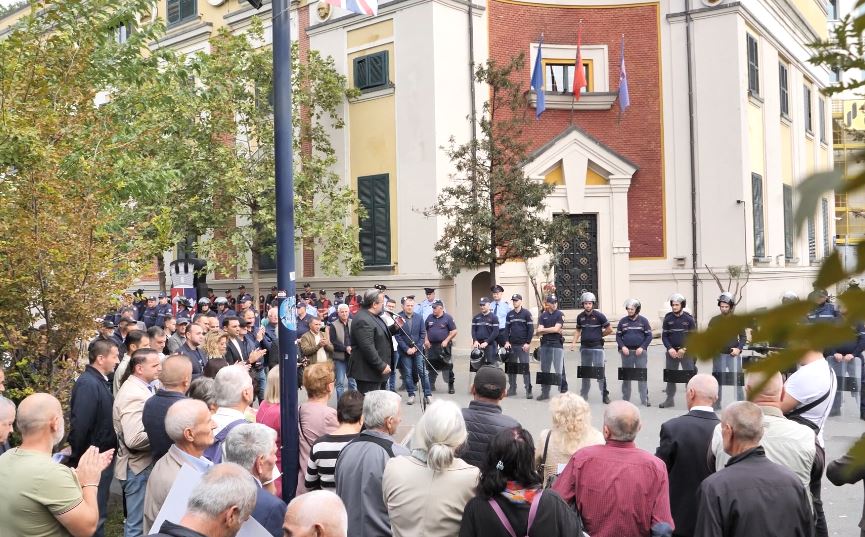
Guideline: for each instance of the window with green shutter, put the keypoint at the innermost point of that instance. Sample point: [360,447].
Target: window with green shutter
[812,240]
[757,209]
[374,194]
[788,222]
[177,11]
[371,71]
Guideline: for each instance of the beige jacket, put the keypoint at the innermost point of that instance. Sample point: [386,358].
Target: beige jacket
[423,503]
[133,446]
[309,348]
[159,483]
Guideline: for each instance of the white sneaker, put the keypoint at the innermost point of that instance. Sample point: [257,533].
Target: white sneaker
[410,400]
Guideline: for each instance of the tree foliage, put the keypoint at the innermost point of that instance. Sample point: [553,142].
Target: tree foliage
[494,212]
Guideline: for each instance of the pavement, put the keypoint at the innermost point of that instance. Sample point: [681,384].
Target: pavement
[842,505]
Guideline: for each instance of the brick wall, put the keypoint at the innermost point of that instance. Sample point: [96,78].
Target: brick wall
[638,136]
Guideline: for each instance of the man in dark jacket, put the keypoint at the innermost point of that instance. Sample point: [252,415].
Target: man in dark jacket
[373,347]
[484,418]
[191,348]
[413,334]
[847,471]
[685,441]
[734,501]
[91,419]
[176,375]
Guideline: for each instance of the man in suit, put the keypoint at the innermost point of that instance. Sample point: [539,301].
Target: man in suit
[175,378]
[134,459]
[373,347]
[684,447]
[847,471]
[91,421]
[253,447]
[236,351]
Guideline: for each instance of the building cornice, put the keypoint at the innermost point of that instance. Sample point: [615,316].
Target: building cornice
[184,34]
[385,10]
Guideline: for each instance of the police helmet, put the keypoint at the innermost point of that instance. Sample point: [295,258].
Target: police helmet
[507,355]
[854,282]
[183,301]
[588,297]
[726,298]
[204,301]
[633,303]
[817,293]
[789,296]
[476,358]
[222,300]
[677,298]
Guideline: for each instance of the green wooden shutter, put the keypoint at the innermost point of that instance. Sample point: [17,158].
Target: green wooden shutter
[374,193]
[757,206]
[371,71]
[361,76]
[788,221]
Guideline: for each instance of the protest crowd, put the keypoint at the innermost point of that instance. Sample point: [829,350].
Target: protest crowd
[179,405]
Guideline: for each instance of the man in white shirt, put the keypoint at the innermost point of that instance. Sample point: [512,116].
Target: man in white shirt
[808,397]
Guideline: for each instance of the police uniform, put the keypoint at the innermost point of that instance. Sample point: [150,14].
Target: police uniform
[634,333]
[500,309]
[855,346]
[675,330]
[591,325]
[150,315]
[552,349]
[162,310]
[485,329]
[425,307]
[519,330]
[725,361]
[437,330]
[183,313]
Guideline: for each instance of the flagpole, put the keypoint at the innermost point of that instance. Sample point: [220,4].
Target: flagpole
[577,65]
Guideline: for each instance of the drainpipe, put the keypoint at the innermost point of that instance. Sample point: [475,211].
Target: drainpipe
[473,113]
[692,150]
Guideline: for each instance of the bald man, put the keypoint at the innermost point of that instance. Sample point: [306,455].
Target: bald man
[39,497]
[175,377]
[319,513]
[786,442]
[636,497]
[751,495]
[685,440]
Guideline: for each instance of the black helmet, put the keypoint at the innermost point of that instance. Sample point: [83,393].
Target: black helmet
[677,298]
[726,298]
[476,358]
[506,355]
[183,301]
[633,303]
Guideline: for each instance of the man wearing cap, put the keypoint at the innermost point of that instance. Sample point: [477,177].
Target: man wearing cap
[353,301]
[232,302]
[485,332]
[150,314]
[271,297]
[440,333]
[519,330]
[178,339]
[307,293]
[163,308]
[106,331]
[500,308]
[484,418]
[425,308]
[552,351]
[323,304]
[303,319]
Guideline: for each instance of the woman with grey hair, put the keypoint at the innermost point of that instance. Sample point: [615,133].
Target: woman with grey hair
[426,492]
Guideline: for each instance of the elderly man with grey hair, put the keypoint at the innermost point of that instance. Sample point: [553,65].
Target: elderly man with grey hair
[252,446]
[218,506]
[635,499]
[7,418]
[234,393]
[734,502]
[685,441]
[361,464]
[319,513]
[189,425]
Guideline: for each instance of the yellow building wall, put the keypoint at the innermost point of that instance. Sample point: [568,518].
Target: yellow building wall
[372,123]
[12,18]
[556,176]
[814,15]
[786,154]
[756,139]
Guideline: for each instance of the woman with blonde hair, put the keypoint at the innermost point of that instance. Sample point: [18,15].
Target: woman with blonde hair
[314,417]
[426,492]
[215,345]
[268,414]
[572,430]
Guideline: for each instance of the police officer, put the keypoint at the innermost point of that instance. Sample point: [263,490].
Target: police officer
[150,314]
[204,309]
[106,333]
[592,327]
[730,357]
[500,308]
[842,360]
[163,308]
[184,308]
[633,336]
[425,307]
[519,330]
[676,326]
[824,311]
[552,350]
[440,333]
[223,309]
[485,332]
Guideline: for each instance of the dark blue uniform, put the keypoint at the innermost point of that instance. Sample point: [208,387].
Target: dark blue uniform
[437,329]
[634,333]
[149,317]
[673,334]
[591,325]
[726,362]
[552,350]
[519,330]
[161,311]
[183,313]
[855,346]
[485,329]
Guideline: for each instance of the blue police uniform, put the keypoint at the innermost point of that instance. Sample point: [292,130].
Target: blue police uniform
[675,330]
[150,316]
[183,313]
[500,309]
[519,330]
[725,361]
[854,346]
[591,325]
[634,333]
[437,330]
[552,349]
[161,311]
[485,329]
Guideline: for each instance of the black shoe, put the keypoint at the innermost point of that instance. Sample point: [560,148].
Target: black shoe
[606,399]
[451,389]
[835,412]
[512,391]
[432,387]
[647,404]
[529,394]
[543,397]
[667,404]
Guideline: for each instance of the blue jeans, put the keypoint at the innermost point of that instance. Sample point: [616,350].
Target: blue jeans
[414,366]
[102,496]
[340,368]
[133,491]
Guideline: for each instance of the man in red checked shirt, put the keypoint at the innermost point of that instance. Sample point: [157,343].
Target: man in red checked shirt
[618,488]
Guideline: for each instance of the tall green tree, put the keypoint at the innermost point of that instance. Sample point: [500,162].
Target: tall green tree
[494,212]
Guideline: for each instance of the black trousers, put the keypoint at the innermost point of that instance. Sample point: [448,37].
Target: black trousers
[366,386]
[822,529]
